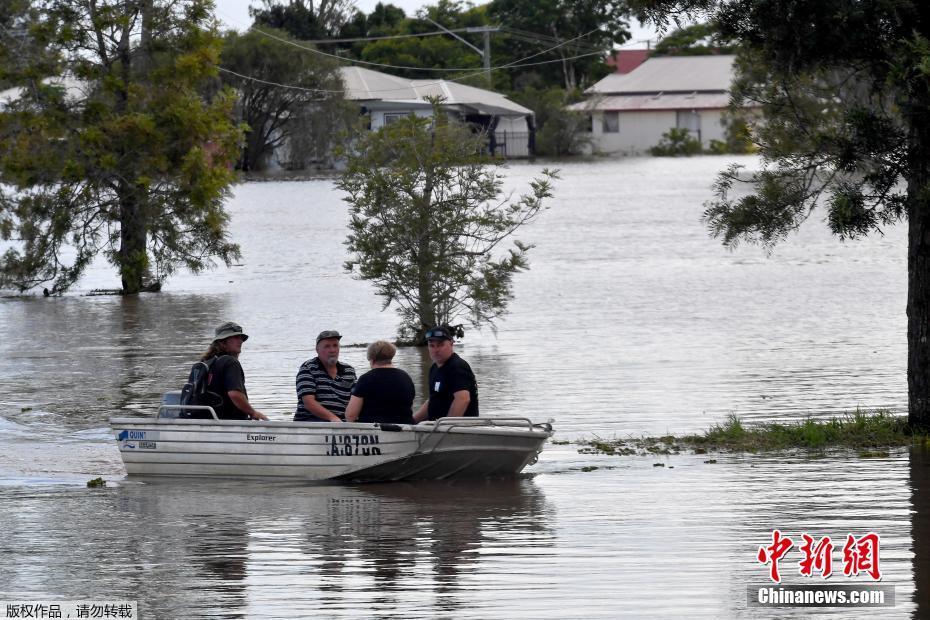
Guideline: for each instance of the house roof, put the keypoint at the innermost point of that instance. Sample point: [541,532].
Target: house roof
[367,85]
[75,90]
[675,74]
[654,103]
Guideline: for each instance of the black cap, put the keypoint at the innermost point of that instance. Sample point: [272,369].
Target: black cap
[439,333]
[329,333]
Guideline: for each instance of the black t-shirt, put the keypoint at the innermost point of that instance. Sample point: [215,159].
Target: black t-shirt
[445,381]
[226,374]
[388,396]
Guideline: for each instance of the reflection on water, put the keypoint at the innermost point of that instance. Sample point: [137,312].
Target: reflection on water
[625,539]
[245,549]
[631,320]
[920,526]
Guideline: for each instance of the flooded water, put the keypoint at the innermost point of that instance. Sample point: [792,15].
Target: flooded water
[630,321]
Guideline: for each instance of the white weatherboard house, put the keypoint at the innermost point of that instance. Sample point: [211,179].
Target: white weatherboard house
[631,111]
[386,98]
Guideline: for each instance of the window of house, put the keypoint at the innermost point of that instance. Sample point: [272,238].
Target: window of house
[611,122]
[588,127]
[392,117]
[690,120]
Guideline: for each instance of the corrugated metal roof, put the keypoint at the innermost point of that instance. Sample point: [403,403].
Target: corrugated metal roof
[673,101]
[367,85]
[363,84]
[75,90]
[671,74]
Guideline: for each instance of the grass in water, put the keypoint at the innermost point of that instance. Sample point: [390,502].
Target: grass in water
[862,431]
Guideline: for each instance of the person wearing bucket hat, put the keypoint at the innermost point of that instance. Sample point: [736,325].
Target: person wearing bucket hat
[226,377]
[324,384]
[453,390]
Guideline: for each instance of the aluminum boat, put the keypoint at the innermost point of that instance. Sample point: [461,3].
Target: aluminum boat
[167,445]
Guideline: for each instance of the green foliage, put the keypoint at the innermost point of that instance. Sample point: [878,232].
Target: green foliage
[428,226]
[860,430]
[835,126]
[676,142]
[113,145]
[856,430]
[737,135]
[437,52]
[317,19]
[559,131]
[844,96]
[594,27]
[306,118]
[694,40]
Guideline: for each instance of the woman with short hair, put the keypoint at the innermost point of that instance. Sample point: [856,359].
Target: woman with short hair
[384,393]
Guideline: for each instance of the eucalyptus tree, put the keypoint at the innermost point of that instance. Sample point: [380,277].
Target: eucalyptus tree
[287,94]
[305,19]
[429,225]
[844,87]
[582,32]
[116,141]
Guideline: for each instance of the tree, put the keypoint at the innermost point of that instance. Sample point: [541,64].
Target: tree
[693,40]
[305,19]
[675,142]
[14,40]
[114,145]
[592,26]
[559,131]
[435,52]
[287,94]
[845,92]
[428,224]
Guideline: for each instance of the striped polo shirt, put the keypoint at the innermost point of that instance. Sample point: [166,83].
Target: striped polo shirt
[332,393]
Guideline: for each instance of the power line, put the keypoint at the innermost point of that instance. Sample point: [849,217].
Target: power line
[443,69]
[455,70]
[385,37]
[361,62]
[513,65]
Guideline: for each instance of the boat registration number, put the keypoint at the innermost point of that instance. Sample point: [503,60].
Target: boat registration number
[353,445]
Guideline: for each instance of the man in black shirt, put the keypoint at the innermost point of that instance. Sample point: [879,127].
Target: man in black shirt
[453,390]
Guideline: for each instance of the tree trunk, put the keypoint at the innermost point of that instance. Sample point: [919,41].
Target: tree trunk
[918,260]
[132,256]
[426,303]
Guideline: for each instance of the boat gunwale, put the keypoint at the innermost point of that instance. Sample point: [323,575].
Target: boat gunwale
[467,427]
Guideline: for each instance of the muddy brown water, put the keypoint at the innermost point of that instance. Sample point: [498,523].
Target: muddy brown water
[630,321]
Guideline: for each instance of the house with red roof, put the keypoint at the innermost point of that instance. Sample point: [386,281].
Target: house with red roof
[630,111]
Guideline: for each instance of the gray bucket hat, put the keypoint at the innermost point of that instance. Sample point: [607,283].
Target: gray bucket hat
[228,329]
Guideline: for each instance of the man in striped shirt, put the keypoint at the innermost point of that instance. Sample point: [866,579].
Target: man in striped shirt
[324,384]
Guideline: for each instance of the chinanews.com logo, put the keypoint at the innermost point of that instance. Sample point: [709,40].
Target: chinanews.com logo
[860,559]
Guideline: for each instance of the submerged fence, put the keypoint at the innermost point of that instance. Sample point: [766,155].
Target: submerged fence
[512,144]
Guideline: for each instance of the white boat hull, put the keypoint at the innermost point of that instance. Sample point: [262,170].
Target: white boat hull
[450,448]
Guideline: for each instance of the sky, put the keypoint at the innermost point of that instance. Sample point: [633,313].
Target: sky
[234,14]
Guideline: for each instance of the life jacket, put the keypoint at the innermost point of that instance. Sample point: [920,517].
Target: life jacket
[196,391]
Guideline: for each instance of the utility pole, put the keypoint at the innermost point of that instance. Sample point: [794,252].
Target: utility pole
[485,53]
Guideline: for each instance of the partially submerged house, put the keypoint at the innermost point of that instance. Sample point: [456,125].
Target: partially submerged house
[385,98]
[630,112]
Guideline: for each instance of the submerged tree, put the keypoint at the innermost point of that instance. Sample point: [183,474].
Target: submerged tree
[429,222]
[844,87]
[118,142]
